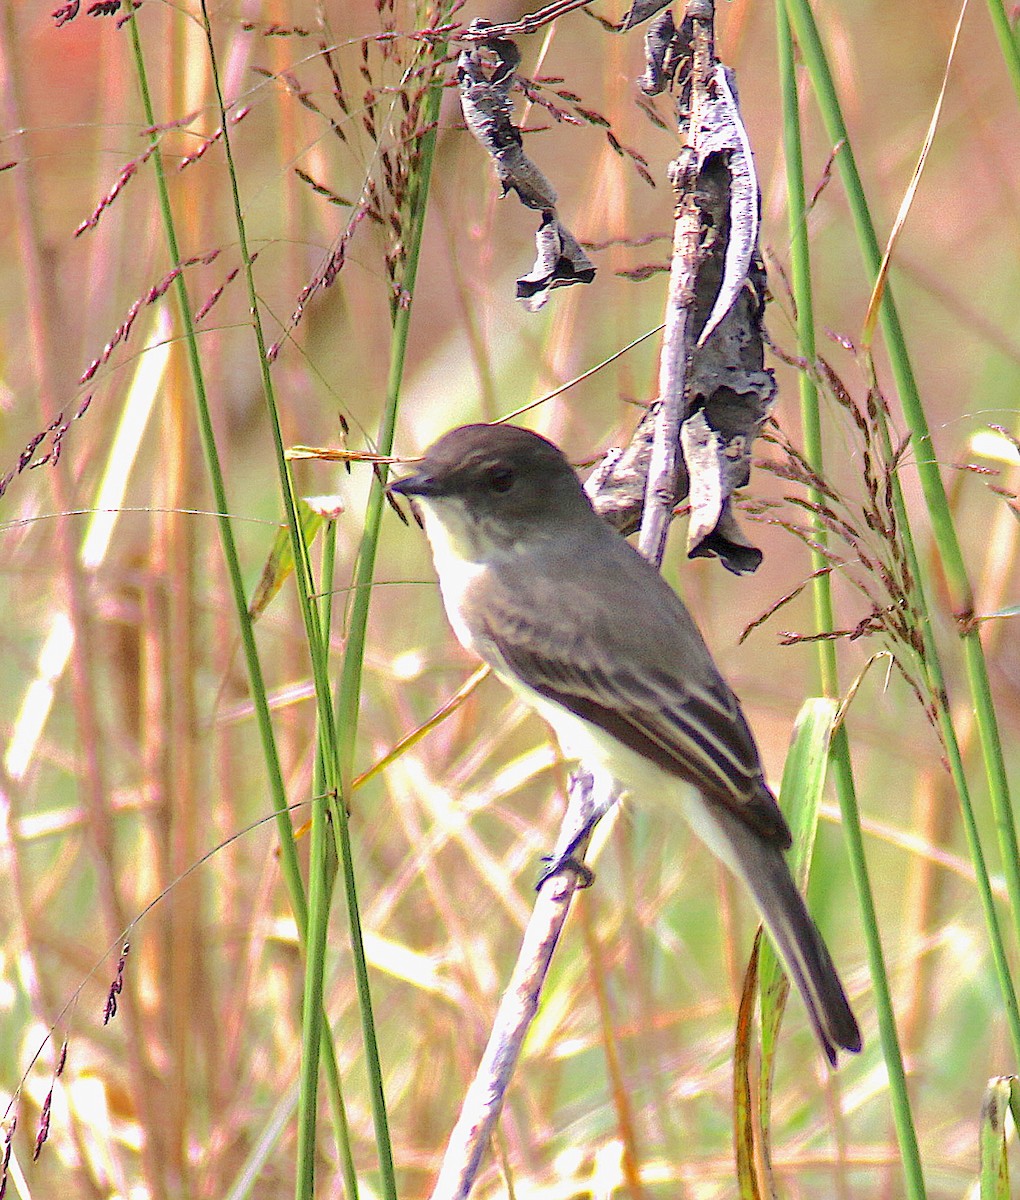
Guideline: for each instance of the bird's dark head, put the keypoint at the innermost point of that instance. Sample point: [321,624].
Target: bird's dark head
[510,481]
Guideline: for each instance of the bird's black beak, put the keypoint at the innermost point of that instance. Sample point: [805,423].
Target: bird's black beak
[419,484]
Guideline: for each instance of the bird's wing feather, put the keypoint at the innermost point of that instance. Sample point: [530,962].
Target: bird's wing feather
[681,715]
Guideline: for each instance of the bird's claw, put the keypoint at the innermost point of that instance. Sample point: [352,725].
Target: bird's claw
[567,862]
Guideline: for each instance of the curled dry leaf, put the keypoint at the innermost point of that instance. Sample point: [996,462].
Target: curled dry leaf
[640,11]
[485,96]
[488,107]
[729,392]
[560,261]
[724,134]
[660,57]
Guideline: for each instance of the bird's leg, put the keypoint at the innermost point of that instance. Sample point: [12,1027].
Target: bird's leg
[591,797]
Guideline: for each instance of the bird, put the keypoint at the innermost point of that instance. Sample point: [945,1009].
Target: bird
[589,634]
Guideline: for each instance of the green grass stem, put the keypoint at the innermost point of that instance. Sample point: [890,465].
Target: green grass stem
[263,719]
[1007,41]
[944,534]
[260,702]
[800,271]
[348,694]
[311,913]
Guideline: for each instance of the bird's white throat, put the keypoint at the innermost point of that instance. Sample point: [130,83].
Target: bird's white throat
[458,557]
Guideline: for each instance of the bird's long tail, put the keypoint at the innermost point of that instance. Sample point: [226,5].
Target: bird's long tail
[762,868]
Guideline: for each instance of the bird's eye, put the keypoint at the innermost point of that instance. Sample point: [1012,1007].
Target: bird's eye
[499,479]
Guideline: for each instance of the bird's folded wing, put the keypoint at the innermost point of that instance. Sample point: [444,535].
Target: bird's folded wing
[692,727]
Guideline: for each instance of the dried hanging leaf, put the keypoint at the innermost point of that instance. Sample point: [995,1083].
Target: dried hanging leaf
[487,106]
[725,134]
[729,392]
[485,96]
[560,261]
[640,11]
[660,55]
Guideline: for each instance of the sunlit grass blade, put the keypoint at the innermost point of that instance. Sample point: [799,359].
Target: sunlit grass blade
[994,1157]
[279,564]
[842,770]
[800,797]
[874,304]
[743,1106]
[944,531]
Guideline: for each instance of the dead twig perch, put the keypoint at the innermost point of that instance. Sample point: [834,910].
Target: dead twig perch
[674,360]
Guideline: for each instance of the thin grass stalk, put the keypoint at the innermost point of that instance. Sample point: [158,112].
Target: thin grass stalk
[302,563]
[312,1032]
[338,754]
[349,691]
[327,577]
[348,694]
[260,702]
[946,541]
[278,795]
[800,281]
[1007,41]
[327,873]
[315,1029]
[828,669]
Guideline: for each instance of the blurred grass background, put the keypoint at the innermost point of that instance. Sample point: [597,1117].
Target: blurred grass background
[123,638]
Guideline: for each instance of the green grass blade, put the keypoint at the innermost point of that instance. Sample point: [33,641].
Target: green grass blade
[1007,42]
[943,529]
[994,1160]
[289,864]
[260,701]
[279,565]
[315,1031]
[842,769]
[800,797]
[348,694]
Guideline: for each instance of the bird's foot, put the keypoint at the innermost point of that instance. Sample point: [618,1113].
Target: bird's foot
[565,862]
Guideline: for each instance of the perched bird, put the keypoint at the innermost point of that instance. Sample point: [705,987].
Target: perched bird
[588,633]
